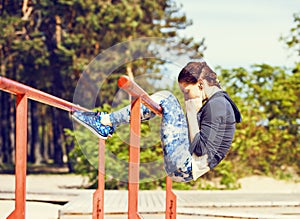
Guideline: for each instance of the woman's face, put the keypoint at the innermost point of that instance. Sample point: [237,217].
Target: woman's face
[191,91]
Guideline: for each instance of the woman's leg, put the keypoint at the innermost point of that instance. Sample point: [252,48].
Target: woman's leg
[103,124]
[175,140]
[122,116]
[174,132]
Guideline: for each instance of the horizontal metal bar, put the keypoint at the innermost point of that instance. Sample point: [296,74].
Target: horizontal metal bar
[16,88]
[135,90]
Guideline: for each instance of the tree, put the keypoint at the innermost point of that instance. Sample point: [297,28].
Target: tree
[292,40]
[47,44]
[267,141]
[20,45]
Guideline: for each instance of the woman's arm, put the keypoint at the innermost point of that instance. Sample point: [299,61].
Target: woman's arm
[192,107]
[216,131]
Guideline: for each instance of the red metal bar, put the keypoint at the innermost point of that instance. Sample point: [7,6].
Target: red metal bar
[24,93]
[14,87]
[98,196]
[171,203]
[135,90]
[134,159]
[21,157]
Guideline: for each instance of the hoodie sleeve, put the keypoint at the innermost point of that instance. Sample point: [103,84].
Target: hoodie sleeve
[217,127]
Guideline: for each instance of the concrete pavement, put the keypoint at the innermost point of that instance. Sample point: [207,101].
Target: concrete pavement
[46,195]
[230,204]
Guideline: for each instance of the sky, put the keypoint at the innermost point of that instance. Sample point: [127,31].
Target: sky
[239,33]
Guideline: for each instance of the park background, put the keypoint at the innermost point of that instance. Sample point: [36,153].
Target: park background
[48,44]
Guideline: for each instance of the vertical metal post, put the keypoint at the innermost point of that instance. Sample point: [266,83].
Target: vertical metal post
[134,158]
[134,90]
[170,200]
[98,196]
[21,158]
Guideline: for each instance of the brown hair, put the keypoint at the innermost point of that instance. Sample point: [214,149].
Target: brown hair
[194,71]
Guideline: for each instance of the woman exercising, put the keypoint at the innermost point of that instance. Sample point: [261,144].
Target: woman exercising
[192,144]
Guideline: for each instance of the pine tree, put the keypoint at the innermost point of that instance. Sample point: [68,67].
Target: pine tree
[47,44]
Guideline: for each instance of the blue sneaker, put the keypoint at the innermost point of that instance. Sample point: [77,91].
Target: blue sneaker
[91,120]
[112,130]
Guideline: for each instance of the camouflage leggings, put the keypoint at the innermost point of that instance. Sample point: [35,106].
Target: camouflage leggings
[174,134]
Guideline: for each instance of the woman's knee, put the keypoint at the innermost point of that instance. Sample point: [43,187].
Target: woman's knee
[160,95]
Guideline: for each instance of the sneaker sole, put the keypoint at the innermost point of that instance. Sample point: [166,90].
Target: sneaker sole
[89,128]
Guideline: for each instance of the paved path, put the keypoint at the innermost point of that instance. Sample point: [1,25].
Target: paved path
[47,193]
[198,203]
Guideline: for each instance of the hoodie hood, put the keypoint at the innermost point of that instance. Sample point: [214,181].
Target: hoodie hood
[237,114]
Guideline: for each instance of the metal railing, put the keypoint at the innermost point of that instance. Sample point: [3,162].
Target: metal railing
[24,92]
[140,96]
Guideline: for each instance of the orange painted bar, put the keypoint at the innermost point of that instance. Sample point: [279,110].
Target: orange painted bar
[98,196]
[21,157]
[14,87]
[134,159]
[23,93]
[171,203]
[136,91]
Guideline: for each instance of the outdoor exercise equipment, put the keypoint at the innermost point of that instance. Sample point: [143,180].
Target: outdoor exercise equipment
[138,96]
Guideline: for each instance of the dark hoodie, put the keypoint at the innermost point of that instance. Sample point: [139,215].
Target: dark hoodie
[216,120]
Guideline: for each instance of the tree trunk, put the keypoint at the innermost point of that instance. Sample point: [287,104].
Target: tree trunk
[68,148]
[58,30]
[44,135]
[5,129]
[26,10]
[35,139]
[12,121]
[57,90]
[1,128]
[49,140]
[57,141]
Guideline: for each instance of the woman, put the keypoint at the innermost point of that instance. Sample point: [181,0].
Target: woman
[194,144]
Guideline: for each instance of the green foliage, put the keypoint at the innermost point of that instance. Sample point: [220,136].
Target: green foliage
[52,46]
[266,142]
[292,39]
[268,138]
[228,176]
